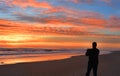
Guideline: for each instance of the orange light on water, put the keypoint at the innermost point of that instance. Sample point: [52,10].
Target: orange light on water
[37,58]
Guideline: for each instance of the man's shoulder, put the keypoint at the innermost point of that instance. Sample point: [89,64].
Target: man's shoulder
[97,49]
[91,49]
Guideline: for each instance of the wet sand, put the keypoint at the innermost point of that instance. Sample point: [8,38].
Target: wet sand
[109,65]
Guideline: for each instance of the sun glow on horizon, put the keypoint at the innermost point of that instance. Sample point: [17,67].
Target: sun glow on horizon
[14,38]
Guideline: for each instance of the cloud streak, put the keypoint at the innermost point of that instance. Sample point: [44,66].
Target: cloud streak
[28,3]
[26,28]
[77,18]
[89,1]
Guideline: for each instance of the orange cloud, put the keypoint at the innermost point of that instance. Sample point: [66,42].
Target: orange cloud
[11,27]
[29,3]
[94,21]
[21,34]
[14,28]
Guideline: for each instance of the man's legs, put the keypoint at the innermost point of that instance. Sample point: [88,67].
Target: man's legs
[89,69]
[95,69]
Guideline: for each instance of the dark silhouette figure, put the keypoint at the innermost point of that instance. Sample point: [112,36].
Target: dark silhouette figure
[93,54]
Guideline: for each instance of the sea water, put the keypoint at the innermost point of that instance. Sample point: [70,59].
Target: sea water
[22,55]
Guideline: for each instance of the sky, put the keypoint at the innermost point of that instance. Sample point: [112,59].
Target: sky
[59,23]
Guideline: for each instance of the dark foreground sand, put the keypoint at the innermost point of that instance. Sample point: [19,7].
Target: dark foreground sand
[76,66]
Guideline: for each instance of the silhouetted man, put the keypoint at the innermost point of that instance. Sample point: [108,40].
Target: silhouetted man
[93,59]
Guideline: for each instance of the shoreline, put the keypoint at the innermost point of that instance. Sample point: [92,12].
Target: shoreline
[74,66]
[44,57]
[110,52]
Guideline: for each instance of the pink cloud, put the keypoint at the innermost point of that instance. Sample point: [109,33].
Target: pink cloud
[107,1]
[29,3]
[73,12]
[89,1]
[75,1]
[113,22]
[59,9]
[81,1]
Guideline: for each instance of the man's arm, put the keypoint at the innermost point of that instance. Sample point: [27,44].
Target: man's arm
[98,51]
[87,53]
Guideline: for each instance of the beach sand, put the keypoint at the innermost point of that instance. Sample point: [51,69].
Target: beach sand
[109,65]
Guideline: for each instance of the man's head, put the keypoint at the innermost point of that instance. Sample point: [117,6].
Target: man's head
[94,45]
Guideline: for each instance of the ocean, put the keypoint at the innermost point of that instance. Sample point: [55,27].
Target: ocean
[22,55]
